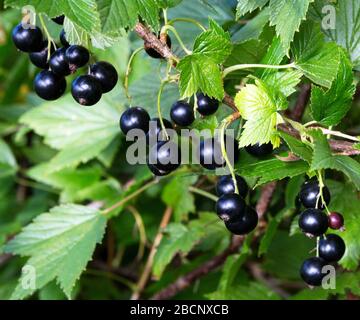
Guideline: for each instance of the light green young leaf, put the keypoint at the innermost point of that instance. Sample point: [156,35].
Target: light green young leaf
[245,6]
[285,81]
[324,159]
[60,244]
[329,107]
[286,16]
[317,59]
[259,105]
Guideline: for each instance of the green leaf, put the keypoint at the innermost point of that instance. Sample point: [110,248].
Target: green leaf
[80,134]
[324,159]
[82,12]
[317,59]
[60,244]
[177,238]
[286,16]
[245,6]
[329,107]
[8,165]
[285,81]
[176,195]
[298,147]
[259,105]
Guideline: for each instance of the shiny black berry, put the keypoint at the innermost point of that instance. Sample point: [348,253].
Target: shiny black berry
[59,64]
[134,118]
[59,20]
[86,90]
[336,221]
[313,222]
[311,271]
[230,207]
[77,57]
[331,248]
[246,222]
[165,156]
[155,132]
[40,58]
[106,74]
[260,150]
[225,185]
[27,38]
[49,85]
[310,195]
[157,172]
[206,105]
[182,114]
[63,40]
[152,52]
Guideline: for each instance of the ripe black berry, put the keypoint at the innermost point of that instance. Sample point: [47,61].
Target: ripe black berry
[49,85]
[155,130]
[63,40]
[259,150]
[134,118]
[77,57]
[313,222]
[59,20]
[157,172]
[59,64]
[182,114]
[336,221]
[225,185]
[311,271]
[40,58]
[206,105]
[28,39]
[230,207]
[245,223]
[106,74]
[310,195]
[165,156]
[152,52]
[86,90]
[331,247]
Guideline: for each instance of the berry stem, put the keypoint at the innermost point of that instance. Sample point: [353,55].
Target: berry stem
[203,193]
[161,89]
[249,66]
[317,246]
[321,196]
[339,134]
[189,20]
[128,70]
[142,232]
[173,30]
[50,39]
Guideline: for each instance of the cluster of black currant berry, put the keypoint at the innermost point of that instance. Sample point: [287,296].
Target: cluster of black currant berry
[314,222]
[50,83]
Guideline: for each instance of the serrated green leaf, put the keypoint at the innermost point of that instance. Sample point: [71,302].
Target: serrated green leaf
[286,16]
[60,244]
[329,107]
[259,105]
[324,159]
[298,147]
[285,81]
[317,59]
[246,6]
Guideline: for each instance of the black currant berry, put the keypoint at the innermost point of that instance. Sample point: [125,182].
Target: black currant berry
[260,150]
[245,223]
[27,38]
[165,156]
[155,130]
[49,85]
[310,195]
[206,105]
[336,221]
[311,271]
[134,118]
[77,57]
[86,90]
[313,222]
[331,247]
[152,52]
[106,74]
[157,172]
[59,64]
[182,114]
[225,185]
[40,58]
[59,20]
[230,207]
[211,155]
[63,40]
